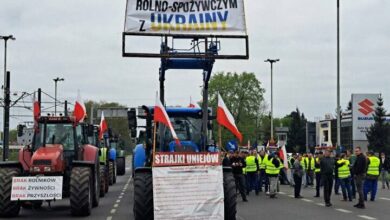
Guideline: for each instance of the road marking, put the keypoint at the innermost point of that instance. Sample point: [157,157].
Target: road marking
[344,210]
[383,198]
[122,193]
[116,205]
[366,217]
[307,200]
[109,218]
[118,201]
[113,211]
[282,193]
[291,196]
[320,204]
[120,197]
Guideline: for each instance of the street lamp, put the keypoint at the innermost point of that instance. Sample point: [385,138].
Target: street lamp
[6,99]
[55,93]
[272,61]
[338,77]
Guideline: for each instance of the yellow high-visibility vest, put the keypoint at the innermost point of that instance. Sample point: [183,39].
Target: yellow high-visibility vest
[251,164]
[270,168]
[343,171]
[311,163]
[317,170]
[262,162]
[373,167]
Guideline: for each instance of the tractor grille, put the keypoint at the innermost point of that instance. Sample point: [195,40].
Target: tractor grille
[42,162]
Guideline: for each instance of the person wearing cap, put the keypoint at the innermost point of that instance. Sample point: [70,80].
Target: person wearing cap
[372,175]
[238,163]
[272,170]
[327,165]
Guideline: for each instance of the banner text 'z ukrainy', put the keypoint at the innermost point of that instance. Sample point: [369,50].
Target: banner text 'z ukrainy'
[187,15]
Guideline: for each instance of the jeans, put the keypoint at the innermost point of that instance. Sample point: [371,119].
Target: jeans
[353,186]
[318,183]
[327,180]
[370,185]
[263,178]
[292,176]
[337,186]
[240,184]
[309,177]
[297,186]
[384,179]
[346,188]
[252,182]
[359,180]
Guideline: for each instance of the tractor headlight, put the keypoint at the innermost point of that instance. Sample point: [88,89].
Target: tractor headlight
[47,169]
[36,169]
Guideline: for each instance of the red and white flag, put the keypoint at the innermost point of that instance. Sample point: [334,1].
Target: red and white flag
[225,118]
[79,111]
[193,104]
[36,108]
[161,116]
[283,155]
[103,126]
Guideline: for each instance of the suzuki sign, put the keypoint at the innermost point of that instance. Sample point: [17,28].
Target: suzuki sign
[363,108]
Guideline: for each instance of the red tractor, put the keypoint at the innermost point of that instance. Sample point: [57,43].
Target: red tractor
[59,150]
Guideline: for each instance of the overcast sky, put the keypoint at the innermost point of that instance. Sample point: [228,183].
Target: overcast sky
[81,42]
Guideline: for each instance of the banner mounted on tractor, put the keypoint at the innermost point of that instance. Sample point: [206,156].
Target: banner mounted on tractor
[193,17]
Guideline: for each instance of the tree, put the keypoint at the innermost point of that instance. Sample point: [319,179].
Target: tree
[378,135]
[243,96]
[296,137]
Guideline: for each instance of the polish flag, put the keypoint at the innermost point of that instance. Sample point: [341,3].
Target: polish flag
[283,155]
[36,108]
[79,111]
[193,104]
[225,118]
[161,116]
[103,126]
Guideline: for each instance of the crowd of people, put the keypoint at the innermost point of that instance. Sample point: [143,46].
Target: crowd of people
[353,173]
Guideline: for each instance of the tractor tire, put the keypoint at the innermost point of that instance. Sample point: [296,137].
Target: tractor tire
[106,178]
[111,173]
[143,196]
[102,181]
[121,166]
[115,172]
[96,187]
[81,191]
[229,189]
[8,208]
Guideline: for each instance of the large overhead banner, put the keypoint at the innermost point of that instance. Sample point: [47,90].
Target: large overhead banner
[363,108]
[195,17]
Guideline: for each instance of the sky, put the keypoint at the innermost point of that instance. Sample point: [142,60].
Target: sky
[81,42]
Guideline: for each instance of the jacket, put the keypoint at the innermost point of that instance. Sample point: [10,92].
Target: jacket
[327,166]
[384,165]
[237,164]
[360,166]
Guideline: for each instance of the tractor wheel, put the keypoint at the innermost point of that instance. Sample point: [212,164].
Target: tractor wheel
[96,187]
[115,172]
[102,181]
[111,173]
[121,166]
[229,188]
[106,179]
[8,208]
[81,191]
[143,196]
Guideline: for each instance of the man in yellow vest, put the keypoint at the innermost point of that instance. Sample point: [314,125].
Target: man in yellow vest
[344,176]
[272,170]
[303,164]
[262,159]
[252,166]
[317,171]
[310,166]
[371,181]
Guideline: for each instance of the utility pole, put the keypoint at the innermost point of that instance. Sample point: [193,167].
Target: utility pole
[272,61]
[6,99]
[338,77]
[56,80]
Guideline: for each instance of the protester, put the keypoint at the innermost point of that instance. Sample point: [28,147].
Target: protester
[327,165]
[304,181]
[272,171]
[371,181]
[309,168]
[359,171]
[291,165]
[252,166]
[297,173]
[238,163]
[344,176]
[384,168]
[317,172]
[352,158]
[262,160]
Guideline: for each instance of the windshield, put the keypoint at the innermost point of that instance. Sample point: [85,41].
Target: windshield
[55,134]
[186,128]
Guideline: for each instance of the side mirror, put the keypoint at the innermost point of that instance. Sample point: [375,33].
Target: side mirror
[20,129]
[132,119]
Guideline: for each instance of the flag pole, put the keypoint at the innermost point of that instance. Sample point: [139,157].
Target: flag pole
[154,142]
[220,136]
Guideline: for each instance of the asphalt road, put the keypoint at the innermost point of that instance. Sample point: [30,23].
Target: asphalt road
[117,204]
